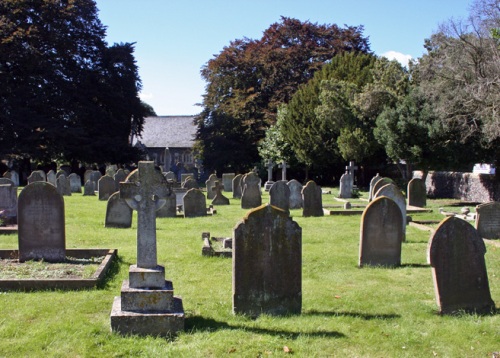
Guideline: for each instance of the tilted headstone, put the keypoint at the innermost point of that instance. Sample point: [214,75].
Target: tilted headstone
[456,255]
[417,193]
[219,198]
[75,183]
[312,200]
[194,203]
[346,183]
[237,186]
[119,177]
[267,263]
[296,201]
[227,181]
[41,227]
[393,192]
[36,175]
[51,177]
[381,234]
[250,196]
[209,185]
[105,187]
[8,200]
[374,181]
[488,220]
[89,188]
[118,212]
[63,185]
[279,195]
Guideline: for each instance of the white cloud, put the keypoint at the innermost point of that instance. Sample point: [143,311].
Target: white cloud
[144,96]
[398,56]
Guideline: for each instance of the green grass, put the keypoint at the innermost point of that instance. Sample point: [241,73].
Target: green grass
[346,311]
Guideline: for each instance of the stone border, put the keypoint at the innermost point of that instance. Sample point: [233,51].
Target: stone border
[66,284]
[10,229]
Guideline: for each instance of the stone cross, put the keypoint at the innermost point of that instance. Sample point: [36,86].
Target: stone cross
[217,188]
[270,165]
[351,168]
[145,191]
[283,167]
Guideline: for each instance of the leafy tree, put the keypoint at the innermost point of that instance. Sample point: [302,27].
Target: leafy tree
[250,79]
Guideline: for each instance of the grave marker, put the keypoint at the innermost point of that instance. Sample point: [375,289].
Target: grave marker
[296,201]
[237,186]
[280,195]
[219,198]
[488,220]
[417,193]
[118,212]
[105,187]
[194,203]
[251,197]
[312,200]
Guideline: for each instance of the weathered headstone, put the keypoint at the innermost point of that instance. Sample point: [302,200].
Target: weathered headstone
[51,177]
[279,195]
[194,203]
[189,183]
[393,192]
[111,170]
[118,212]
[227,181]
[209,184]
[169,210]
[119,177]
[250,196]
[267,263]
[374,181]
[296,201]
[237,186]
[381,234]
[36,175]
[41,226]
[346,183]
[379,184]
[312,200]
[105,187]
[269,183]
[417,193]
[63,185]
[94,177]
[488,220]
[456,254]
[219,198]
[89,188]
[8,201]
[75,183]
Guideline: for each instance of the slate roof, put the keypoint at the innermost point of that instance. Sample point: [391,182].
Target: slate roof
[168,131]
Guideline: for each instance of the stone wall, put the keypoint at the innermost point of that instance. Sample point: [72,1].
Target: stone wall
[462,186]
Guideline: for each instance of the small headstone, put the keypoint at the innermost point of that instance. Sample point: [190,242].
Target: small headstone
[267,263]
[194,203]
[209,185]
[296,201]
[279,195]
[75,183]
[63,185]
[488,220]
[119,177]
[219,198]
[251,196]
[105,187]
[374,181]
[118,212]
[36,175]
[456,254]
[417,193]
[312,200]
[51,177]
[227,181]
[381,234]
[89,188]
[346,182]
[41,227]
[237,186]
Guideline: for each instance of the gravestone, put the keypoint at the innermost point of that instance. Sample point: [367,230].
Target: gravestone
[168,160]
[169,210]
[111,170]
[61,172]
[105,187]
[237,186]
[269,183]
[119,177]
[374,181]
[63,185]
[194,203]
[36,175]
[393,192]
[227,181]
[75,183]
[189,183]
[250,196]
[41,227]
[170,176]
[351,169]
[456,255]
[381,234]
[219,198]
[147,305]
[8,201]
[312,200]
[51,177]
[346,183]
[184,176]
[88,188]
[94,177]
[488,220]
[209,184]
[296,201]
[267,263]
[283,166]
[379,184]
[417,193]
[86,175]
[118,212]
[279,195]
[12,175]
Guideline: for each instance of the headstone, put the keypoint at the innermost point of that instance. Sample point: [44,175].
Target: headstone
[456,254]
[12,175]
[488,220]
[227,181]
[374,180]
[75,183]
[168,160]
[51,177]
[209,184]
[237,186]
[8,201]
[169,210]
[61,172]
[147,305]
[346,183]
[312,200]
[36,175]
[119,177]
[95,176]
[41,227]
[417,193]
[269,183]
[184,176]
[66,169]
[194,203]
[111,170]
[170,176]
[250,196]
[219,198]
[89,188]
[351,169]
[381,234]
[267,263]
[118,212]
[105,187]
[279,195]
[189,183]
[63,185]
[296,201]
[283,167]
[86,175]
[393,192]
[379,184]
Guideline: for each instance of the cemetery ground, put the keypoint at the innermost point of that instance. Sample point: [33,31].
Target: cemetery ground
[346,311]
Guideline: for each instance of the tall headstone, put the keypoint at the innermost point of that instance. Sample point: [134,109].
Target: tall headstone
[488,220]
[393,192]
[267,263]
[219,198]
[75,183]
[41,227]
[36,175]
[381,234]
[237,186]
[209,185]
[147,305]
[51,177]
[374,181]
[194,203]
[346,183]
[312,200]
[269,183]
[456,255]
[118,212]
[227,181]
[296,201]
[251,196]
[106,187]
[279,195]
[63,185]
[417,193]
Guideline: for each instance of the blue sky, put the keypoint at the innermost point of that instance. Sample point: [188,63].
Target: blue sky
[175,38]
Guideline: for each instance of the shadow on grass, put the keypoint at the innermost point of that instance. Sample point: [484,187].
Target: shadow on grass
[414,266]
[202,324]
[364,316]
[113,270]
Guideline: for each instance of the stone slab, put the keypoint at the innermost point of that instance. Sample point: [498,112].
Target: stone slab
[151,300]
[146,277]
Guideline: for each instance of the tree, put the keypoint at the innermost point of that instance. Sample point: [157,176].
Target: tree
[250,79]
